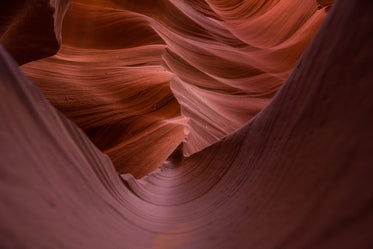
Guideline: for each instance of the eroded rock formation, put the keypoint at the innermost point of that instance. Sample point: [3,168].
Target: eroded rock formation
[297,175]
[225,65]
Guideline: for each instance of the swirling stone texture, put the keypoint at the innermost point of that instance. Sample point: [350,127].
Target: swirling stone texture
[226,61]
[298,175]
[233,60]
[110,81]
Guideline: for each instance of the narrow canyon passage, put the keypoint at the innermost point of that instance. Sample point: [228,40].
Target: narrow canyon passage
[285,164]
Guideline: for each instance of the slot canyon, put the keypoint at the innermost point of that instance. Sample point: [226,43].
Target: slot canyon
[186,124]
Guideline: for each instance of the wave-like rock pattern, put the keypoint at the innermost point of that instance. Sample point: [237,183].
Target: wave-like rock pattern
[233,61]
[298,175]
[121,98]
[111,83]
[227,60]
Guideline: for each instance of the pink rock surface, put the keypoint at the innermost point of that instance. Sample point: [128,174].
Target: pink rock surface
[226,60]
[298,175]
[107,77]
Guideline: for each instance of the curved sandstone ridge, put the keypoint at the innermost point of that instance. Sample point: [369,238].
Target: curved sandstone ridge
[231,65]
[298,175]
[111,83]
[121,98]
[226,61]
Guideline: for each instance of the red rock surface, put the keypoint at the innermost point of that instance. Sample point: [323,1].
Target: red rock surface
[298,175]
[110,81]
[225,65]
[235,60]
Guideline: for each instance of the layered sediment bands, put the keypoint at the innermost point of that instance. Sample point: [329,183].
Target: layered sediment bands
[121,98]
[227,59]
[110,81]
[298,175]
[103,25]
[234,60]
[31,30]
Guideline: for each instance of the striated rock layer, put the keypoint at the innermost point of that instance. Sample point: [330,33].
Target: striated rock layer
[113,86]
[226,60]
[298,175]
[121,98]
[230,66]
